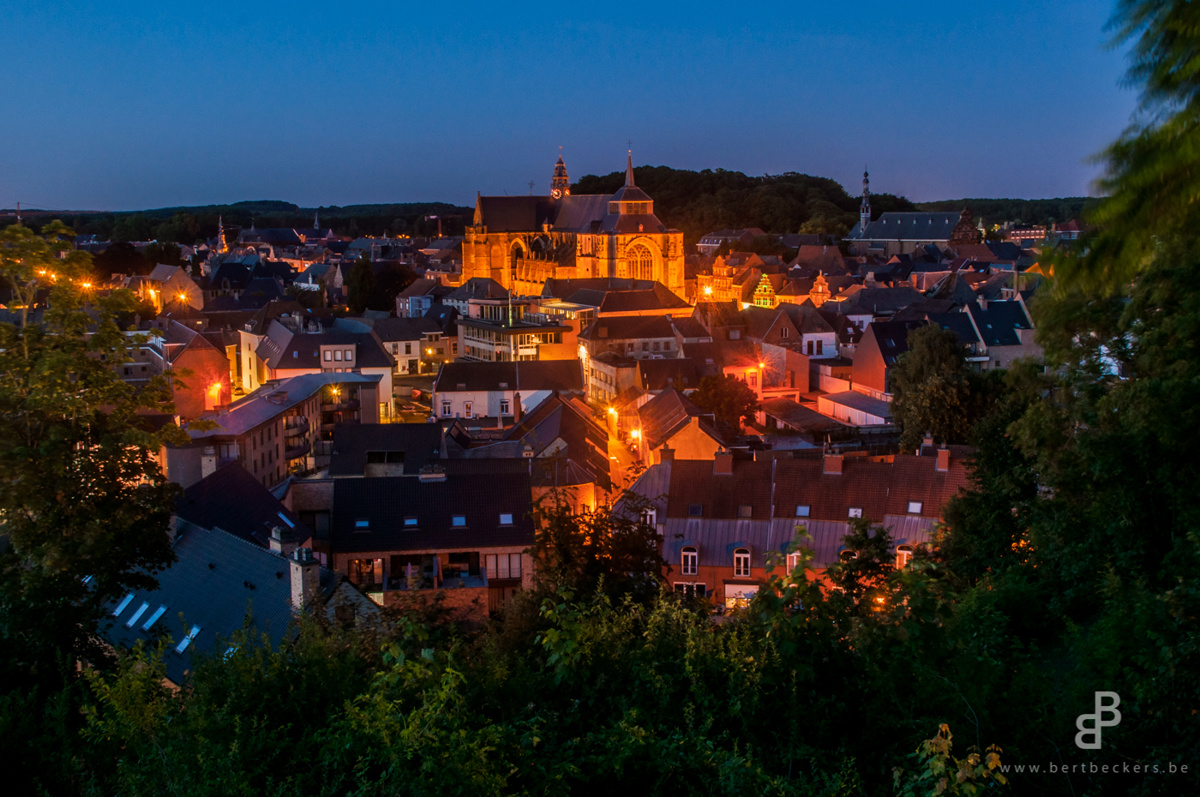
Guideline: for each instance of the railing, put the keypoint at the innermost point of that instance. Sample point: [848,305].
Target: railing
[297,451]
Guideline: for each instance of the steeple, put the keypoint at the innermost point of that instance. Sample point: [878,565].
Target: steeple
[478,220]
[864,210]
[629,169]
[221,247]
[560,184]
[316,219]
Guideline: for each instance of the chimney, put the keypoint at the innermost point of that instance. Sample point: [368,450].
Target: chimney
[664,454]
[306,577]
[943,460]
[927,444]
[833,465]
[276,540]
[723,463]
[208,462]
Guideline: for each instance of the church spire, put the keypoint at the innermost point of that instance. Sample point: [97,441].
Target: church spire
[560,184]
[864,210]
[221,247]
[629,168]
[316,219]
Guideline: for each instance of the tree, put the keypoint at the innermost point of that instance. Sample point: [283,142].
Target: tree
[360,285]
[83,504]
[578,549]
[935,393]
[729,399]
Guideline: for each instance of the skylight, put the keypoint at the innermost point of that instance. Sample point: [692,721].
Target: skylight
[133,618]
[154,617]
[284,518]
[121,606]
[187,640]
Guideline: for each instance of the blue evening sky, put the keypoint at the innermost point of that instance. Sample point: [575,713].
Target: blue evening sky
[124,105]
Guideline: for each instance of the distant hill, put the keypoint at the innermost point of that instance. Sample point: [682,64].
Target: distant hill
[700,202]
[189,224]
[1025,211]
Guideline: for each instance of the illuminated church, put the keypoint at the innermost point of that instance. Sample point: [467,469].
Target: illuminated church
[522,241]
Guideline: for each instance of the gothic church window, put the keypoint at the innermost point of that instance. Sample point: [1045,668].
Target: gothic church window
[641,262]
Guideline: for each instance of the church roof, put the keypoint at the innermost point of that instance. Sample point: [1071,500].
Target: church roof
[514,213]
[908,226]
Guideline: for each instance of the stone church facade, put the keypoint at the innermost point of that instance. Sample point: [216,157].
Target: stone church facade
[523,241]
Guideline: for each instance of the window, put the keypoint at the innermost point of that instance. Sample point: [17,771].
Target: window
[410,521]
[645,346]
[904,555]
[847,555]
[820,347]
[745,511]
[337,355]
[505,519]
[855,511]
[362,524]
[741,563]
[187,640]
[667,347]
[467,409]
[641,262]
[783,332]
[328,355]
[810,347]
[802,510]
[655,346]
[445,409]
[752,378]
[793,561]
[690,564]
[458,521]
[650,518]
[408,348]
[504,407]
[695,510]
[690,590]
[504,565]
[349,355]
[914,507]
[366,572]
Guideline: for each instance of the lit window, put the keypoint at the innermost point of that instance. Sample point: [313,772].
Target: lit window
[802,510]
[458,520]
[793,561]
[328,355]
[855,511]
[337,355]
[741,563]
[410,521]
[847,555]
[159,612]
[690,562]
[349,355]
[505,519]
[121,606]
[187,640]
[904,554]
[914,507]
[467,408]
[362,524]
[745,511]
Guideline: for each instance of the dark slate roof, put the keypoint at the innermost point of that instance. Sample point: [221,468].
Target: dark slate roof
[234,501]
[282,348]
[629,327]
[418,445]
[581,213]
[385,502]
[667,413]
[478,288]
[892,337]
[806,319]
[658,297]
[562,375]
[881,300]
[959,324]
[221,584]
[229,275]
[998,324]
[909,226]
[1005,250]
[565,288]
[515,213]
[402,329]
[260,291]
[655,375]
[571,421]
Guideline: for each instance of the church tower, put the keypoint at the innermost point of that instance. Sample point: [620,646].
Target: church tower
[560,184]
[864,210]
[222,247]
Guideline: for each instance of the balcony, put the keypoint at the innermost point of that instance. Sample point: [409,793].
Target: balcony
[295,427]
[297,451]
[339,406]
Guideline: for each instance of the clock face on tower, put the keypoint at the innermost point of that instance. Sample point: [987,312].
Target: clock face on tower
[556,193]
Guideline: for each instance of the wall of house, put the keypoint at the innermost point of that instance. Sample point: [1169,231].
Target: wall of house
[194,393]
[691,442]
[484,403]
[869,369]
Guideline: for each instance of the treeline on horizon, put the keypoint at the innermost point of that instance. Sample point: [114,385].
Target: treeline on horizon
[695,203]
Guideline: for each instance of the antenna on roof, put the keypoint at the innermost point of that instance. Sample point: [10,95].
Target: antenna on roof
[531,187]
